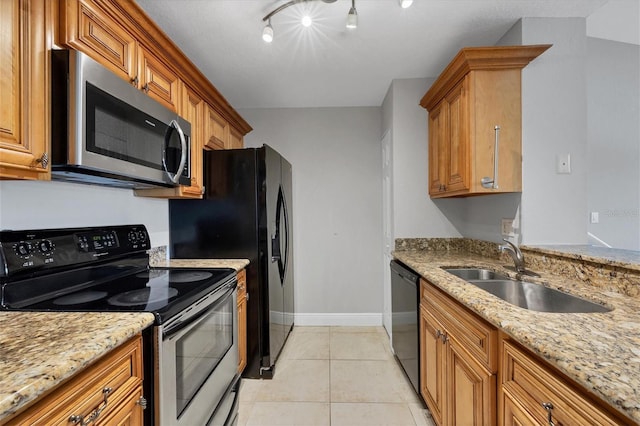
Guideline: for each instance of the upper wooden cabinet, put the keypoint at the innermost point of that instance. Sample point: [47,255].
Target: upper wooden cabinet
[473,105]
[158,81]
[85,26]
[216,130]
[24,120]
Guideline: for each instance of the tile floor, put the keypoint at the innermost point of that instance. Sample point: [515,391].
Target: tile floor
[333,376]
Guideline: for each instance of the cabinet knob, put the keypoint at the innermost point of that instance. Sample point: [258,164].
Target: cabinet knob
[135,81]
[145,88]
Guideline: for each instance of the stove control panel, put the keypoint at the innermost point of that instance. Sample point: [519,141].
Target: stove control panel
[26,252]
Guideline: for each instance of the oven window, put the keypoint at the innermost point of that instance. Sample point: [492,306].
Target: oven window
[199,351]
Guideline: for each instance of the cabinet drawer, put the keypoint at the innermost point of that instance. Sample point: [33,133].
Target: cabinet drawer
[120,370]
[476,335]
[530,383]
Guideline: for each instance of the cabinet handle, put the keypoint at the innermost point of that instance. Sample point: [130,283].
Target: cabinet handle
[77,419]
[549,407]
[43,160]
[487,182]
[438,334]
[444,337]
[135,81]
[145,88]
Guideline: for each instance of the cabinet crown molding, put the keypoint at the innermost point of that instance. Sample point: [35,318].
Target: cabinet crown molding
[479,58]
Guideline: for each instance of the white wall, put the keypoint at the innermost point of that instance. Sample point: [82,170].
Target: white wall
[39,205]
[336,158]
[554,121]
[613,111]
[414,213]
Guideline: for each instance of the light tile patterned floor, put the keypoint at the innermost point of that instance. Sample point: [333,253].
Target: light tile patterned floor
[340,376]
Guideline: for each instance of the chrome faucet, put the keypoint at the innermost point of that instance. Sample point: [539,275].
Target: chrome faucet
[515,253]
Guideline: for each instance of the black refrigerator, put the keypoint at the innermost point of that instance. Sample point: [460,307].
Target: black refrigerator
[246,213]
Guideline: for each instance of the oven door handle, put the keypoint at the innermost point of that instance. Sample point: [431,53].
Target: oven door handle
[179,328]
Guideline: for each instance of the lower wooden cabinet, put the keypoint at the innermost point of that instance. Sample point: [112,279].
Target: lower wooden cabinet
[457,385]
[112,388]
[242,320]
[532,393]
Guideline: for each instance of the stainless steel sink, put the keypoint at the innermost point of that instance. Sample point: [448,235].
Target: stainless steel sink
[535,297]
[476,274]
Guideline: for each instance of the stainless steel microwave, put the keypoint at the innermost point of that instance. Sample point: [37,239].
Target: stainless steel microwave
[105,131]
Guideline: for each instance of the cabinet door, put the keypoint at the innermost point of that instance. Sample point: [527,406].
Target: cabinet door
[471,390]
[216,130]
[157,80]
[458,159]
[23,89]
[514,415]
[128,413]
[438,146]
[88,28]
[432,364]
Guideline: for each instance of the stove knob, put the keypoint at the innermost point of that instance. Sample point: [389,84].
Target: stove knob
[45,246]
[142,236]
[23,249]
[132,237]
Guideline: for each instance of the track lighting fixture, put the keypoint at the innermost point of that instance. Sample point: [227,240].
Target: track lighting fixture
[267,33]
[352,17]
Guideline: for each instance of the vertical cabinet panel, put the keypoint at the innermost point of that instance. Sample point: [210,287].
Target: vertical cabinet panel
[437,149]
[24,93]
[235,139]
[457,160]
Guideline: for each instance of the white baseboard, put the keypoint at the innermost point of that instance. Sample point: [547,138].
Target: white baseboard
[324,319]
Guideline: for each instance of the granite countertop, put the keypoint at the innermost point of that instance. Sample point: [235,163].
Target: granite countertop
[237,264]
[600,351]
[38,351]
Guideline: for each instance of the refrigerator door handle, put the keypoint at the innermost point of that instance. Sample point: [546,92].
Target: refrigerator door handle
[286,236]
[276,243]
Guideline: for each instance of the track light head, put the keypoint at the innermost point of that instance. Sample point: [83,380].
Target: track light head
[267,33]
[352,17]
[405,3]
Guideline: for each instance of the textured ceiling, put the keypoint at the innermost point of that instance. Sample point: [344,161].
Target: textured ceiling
[327,64]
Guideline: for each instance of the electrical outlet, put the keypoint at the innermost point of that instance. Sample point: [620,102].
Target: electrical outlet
[507,227]
[563,163]
[595,217]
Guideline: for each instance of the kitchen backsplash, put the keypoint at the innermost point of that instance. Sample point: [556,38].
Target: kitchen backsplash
[614,275]
[157,254]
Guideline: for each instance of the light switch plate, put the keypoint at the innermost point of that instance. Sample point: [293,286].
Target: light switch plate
[595,217]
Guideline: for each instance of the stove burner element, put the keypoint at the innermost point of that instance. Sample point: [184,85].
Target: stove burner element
[143,296]
[78,298]
[188,276]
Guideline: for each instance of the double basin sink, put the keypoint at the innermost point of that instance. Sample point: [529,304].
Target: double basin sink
[527,295]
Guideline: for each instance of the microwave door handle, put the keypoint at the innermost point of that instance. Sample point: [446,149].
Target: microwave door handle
[183,154]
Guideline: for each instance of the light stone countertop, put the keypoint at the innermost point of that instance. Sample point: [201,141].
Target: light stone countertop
[38,351]
[237,264]
[600,351]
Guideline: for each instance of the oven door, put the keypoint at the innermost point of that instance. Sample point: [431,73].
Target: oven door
[197,359]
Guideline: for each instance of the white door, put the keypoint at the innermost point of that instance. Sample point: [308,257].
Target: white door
[387,227]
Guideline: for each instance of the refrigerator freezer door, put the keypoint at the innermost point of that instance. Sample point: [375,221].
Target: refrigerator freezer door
[276,298]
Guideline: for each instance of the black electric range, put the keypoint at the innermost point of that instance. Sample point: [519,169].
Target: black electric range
[96,270]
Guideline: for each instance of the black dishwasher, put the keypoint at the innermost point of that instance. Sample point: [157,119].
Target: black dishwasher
[405,335]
